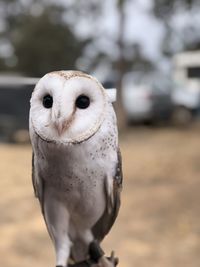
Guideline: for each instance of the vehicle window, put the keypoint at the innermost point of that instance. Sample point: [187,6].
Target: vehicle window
[193,72]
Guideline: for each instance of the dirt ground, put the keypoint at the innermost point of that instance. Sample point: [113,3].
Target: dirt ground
[159,221]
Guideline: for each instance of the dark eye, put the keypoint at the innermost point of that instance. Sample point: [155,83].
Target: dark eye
[82,101]
[47,101]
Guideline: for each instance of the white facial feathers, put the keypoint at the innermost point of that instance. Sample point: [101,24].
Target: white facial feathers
[68,120]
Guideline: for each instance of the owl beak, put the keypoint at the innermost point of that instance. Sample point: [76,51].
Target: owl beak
[61,127]
[61,124]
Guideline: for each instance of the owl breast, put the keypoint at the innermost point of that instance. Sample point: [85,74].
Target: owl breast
[76,173]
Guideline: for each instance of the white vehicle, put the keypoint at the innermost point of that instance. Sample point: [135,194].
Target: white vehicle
[146,98]
[186,94]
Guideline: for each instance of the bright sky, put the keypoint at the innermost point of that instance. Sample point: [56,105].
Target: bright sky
[141,27]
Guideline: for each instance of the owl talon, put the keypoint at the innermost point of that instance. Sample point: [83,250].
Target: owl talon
[97,256]
[102,262]
[113,259]
[85,263]
[95,251]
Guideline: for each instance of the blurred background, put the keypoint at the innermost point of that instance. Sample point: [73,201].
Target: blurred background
[150,51]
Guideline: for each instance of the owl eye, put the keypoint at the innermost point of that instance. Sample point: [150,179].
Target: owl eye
[82,102]
[47,101]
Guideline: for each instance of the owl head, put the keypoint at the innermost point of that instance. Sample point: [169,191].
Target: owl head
[68,107]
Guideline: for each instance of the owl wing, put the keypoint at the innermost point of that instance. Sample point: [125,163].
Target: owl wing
[38,184]
[112,194]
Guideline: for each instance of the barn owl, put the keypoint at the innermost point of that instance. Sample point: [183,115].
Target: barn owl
[76,171]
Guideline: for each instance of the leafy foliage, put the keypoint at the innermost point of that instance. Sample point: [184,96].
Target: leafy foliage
[43,46]
[163,9]
[42,42]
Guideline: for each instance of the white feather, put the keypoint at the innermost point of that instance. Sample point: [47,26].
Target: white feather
[112,94]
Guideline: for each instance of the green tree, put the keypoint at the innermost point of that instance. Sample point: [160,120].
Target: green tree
[41,42]
[43,46]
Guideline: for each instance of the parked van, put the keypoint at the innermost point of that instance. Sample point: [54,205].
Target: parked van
[147,98]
